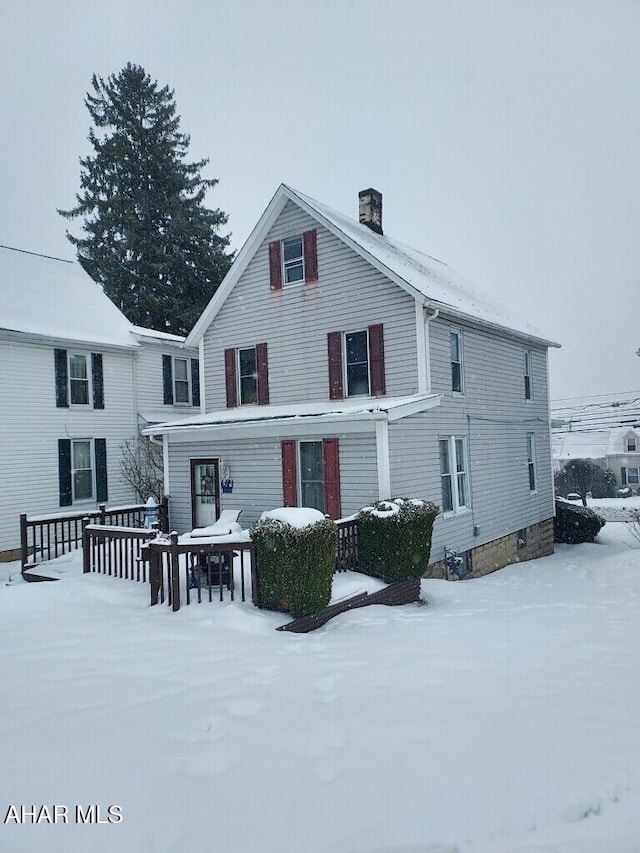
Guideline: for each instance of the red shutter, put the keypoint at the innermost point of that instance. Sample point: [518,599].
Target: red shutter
[230,378]
[289,483]
[334,346]
[376,361]
[263,374]
[310,256]
[331,457]
[275,265]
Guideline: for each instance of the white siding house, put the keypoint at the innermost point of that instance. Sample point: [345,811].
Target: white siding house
[339,367]
[77,380]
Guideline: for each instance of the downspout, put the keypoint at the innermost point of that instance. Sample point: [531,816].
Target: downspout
[422,340]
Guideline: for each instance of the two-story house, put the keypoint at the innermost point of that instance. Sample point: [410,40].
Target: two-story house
[339,367]
[77,381]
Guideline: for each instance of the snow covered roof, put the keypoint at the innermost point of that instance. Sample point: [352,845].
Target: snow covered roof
[592,444]
[421,275]
[358,408]
[163,337]
[57,299]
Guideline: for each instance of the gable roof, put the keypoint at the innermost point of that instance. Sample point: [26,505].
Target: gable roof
[57,299]
[423,277]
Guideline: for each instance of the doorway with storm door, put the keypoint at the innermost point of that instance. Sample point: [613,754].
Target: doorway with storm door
[205,492]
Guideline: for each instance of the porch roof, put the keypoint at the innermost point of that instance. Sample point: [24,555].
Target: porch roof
[300,416]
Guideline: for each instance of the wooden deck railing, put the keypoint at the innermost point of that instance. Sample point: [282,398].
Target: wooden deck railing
[46,537]
[115,551]
[196,572]
[347,557]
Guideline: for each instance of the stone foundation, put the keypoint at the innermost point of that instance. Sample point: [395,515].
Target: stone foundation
[538,542]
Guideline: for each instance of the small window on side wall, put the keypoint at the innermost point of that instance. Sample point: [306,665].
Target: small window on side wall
[531,460]
[455,345]
[528,386]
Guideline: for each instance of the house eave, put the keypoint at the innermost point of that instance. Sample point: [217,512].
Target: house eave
[35,339]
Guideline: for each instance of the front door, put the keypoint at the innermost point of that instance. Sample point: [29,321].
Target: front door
[205,492]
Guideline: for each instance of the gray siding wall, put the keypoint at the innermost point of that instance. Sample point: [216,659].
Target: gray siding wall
[495,418]
[255,466]
[349,296]
[30,426]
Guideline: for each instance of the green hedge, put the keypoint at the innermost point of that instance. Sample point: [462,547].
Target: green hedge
[574,524]
[295,565]
[395,538]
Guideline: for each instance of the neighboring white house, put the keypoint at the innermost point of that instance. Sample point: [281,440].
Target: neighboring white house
[605,429]
[77,380]
[340,367]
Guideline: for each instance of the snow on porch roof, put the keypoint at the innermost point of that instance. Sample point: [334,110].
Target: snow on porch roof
[367,409]
[56,299]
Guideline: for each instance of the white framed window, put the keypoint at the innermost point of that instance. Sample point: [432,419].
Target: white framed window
[455,345]
[82,472]
[248,376]
[356,362]
[632,444]
[292,261]
[181,381]
[311,474]
[528,376]
[531,460]
[454,477]
[79,379]
[630,476]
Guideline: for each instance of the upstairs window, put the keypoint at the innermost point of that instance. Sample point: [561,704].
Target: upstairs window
[356,363]
[455,345]
[356,347]
[528,389]
[531,460]
[181,381]
[246,376]
[632,444]
[78,379]
[293,260]
[454,479]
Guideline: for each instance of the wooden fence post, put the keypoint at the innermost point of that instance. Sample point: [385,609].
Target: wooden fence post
[174,562]
[255,580]
[155,562]
[86,547]
[164,514]
[24,550]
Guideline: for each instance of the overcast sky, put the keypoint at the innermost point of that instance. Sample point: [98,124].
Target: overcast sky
[504,136]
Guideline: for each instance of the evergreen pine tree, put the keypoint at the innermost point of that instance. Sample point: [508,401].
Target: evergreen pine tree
[148,238]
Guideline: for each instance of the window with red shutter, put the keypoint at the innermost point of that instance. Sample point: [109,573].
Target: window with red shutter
[289,481]
[310,256]
[331,458]
[334,349]
[275,265]
[230,378]
[263,374]
[376,361]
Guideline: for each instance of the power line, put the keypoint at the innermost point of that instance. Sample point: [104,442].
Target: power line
[37,254]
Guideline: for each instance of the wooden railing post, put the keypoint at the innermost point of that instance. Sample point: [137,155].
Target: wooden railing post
[255,580]
[155,563]
[164,514]
[86,547]
[24,549]
[174,562]
[103,513]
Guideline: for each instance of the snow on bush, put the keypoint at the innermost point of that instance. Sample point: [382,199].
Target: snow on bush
[574,524]
[395,538]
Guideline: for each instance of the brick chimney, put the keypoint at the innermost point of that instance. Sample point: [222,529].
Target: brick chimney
[370,209]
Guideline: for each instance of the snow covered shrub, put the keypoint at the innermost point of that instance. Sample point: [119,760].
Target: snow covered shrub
[574,524]
[624,492]
[295,563]
[395,538]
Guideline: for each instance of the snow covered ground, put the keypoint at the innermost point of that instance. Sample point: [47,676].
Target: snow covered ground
[504,717]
